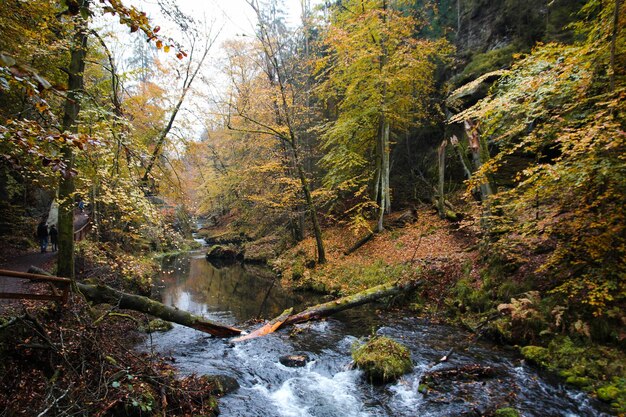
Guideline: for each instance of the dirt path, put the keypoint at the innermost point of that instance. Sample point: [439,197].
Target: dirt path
[17,285]
[23,262]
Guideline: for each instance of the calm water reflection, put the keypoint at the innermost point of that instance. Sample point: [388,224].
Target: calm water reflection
[228,292]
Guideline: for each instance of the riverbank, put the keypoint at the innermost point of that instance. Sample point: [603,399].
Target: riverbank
[478,378]
[82,359]
[505,300]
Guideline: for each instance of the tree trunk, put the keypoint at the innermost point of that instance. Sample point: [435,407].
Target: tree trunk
[65,259]
[384,198]
[269,327]
[613,44]
[189,78]
[367,296]
[101,294]
[480,155]
[317,230]
[441,204]
[272,55]
[462,156]
[386,166]
[324,310]
[359,243]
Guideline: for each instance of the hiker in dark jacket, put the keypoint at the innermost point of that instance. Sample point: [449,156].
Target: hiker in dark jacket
[42,235]
[54,238]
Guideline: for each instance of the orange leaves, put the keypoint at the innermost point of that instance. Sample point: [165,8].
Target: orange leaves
[138,21]
[27,140]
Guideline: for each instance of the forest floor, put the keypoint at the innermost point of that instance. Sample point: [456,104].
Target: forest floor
[428,247]
[82,359]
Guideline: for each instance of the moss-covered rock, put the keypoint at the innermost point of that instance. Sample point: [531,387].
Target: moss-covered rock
[614,393]
[578,381]
[158,325]
[382,359]
[586,366]
[224,252]
[608,393]
[536,354]
[507,412]
[222,384]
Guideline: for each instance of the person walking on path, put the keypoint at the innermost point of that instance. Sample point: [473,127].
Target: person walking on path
[54,238]
[42,235]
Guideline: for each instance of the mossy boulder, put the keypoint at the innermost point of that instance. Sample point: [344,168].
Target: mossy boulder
[578,381]
[222,384]
[536,354]
[614,393]
[224,252]
[382,359]
[608,393]
[507,412]
[158,325]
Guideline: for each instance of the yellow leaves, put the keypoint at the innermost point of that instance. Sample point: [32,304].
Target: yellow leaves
[41,106]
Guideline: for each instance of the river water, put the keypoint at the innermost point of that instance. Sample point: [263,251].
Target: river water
[327,386]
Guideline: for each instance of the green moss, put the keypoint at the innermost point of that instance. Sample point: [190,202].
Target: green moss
[608,393]
[578,381]
[383,359]
[536,354]
[614,393]
[586,366]
[158,325]
[507,412]
[297,269]
[488,61]
[475,299]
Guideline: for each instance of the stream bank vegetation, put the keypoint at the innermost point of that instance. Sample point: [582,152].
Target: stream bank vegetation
[476,149]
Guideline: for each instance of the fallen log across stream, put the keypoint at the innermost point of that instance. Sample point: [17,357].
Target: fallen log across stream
[319,311]
[103,294]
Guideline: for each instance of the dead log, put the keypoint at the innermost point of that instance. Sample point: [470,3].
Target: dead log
[103,294]
[319,311]
[269,327]
[471,372]
[448,210]
[369,295]
[360,243]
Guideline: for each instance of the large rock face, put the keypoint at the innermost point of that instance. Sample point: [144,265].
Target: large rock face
[490,24]
[489,32]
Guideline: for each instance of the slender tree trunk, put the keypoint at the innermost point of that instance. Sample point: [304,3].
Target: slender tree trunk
[462,156]
[441,203]
[319,311]
[189,78]
[65,262]
[458,18]
[317,230]
[385,199]
[480,155]
[386,166]
[367,296]
[272,52]
[613,43]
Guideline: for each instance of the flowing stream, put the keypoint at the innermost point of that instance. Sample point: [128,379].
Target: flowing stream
[327,386]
